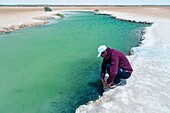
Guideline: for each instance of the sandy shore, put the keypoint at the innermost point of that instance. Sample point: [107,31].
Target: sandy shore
[161,12]
[13,18]
[148,89]
[17,15]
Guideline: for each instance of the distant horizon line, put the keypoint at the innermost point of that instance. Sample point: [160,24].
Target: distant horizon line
[73,5]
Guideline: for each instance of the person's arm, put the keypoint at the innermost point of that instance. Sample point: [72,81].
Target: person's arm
[103,71]
[113,69]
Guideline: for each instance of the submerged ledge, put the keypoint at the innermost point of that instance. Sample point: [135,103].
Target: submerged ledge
[40,21]
[17,27]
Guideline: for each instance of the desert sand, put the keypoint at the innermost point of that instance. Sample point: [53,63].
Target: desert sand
[19,15]
[13,18]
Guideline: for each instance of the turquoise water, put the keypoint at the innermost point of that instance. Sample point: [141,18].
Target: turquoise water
[54,68]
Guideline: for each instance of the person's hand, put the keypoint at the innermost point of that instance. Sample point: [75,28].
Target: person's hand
[106,84]
[102,81]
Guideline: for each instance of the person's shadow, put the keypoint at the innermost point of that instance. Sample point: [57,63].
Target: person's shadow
[99,86]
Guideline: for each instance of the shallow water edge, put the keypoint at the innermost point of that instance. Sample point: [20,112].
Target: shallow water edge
[104,96]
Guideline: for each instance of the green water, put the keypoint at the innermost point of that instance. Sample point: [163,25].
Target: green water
[54,68]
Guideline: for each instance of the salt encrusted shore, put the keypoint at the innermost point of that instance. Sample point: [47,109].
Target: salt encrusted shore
[21,26]
[147,91]
[18,18]
[37,21]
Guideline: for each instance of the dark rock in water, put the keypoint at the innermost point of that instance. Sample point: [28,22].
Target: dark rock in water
[46,9]
[96,10]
